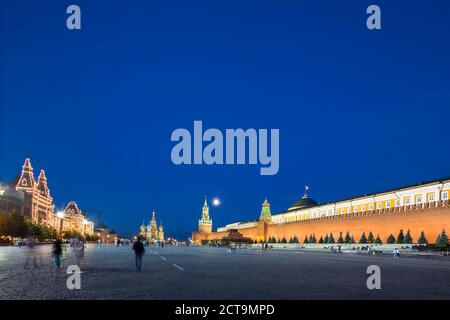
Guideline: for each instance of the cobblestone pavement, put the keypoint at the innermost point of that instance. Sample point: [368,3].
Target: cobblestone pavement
[213,273]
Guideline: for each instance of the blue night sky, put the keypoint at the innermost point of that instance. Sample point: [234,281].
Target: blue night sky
[359,111]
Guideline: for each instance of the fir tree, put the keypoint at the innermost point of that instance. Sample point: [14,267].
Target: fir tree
[422,239]
[400,237]
[310,240]
[283,240]
[408,238]
[314,240]
[291,240]
[295,239]
[352,240]
[321,239]
[370,238]
[442,240]
[326,239]
[363,238]
[391,239]
[331,238]
[306,240]
[378,240]
[340,239]
[347,238]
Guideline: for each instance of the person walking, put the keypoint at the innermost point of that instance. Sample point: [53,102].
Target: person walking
[31,253]
[139,251]
[79,251]
[396,253]
[57,252]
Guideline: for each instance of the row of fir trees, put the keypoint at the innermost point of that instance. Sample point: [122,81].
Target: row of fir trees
[442,241]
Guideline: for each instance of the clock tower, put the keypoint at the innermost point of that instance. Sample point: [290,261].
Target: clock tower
[205,223]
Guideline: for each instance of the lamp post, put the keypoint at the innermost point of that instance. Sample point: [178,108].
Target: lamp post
[60,215]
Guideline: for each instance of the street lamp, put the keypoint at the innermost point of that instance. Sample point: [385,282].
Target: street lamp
[60,215]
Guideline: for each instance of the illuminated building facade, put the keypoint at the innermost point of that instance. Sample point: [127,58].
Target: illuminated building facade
[418,208]
[32,198]
[74,220]
[152,232]
[38,204]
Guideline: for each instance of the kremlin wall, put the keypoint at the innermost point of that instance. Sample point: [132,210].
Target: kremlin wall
[421,207]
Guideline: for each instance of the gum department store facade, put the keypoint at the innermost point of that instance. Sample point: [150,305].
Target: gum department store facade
[32,198]
[422,207]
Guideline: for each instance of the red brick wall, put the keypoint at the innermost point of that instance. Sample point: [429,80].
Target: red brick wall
[431,220]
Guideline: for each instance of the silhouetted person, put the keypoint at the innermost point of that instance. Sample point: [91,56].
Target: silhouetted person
[139,250]
[57,252]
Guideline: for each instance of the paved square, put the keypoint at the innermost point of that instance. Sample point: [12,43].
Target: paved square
[213,273]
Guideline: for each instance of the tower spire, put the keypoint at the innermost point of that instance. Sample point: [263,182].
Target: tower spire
[205,211]
[205,223]
[265,211]
[26,180]
[42,184]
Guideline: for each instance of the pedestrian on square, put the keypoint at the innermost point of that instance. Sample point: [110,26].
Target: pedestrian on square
[31,253]
[139,251]
[57,252]
[396,253]
[79,251]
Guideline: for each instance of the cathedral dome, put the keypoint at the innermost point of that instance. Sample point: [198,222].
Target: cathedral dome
[303,203]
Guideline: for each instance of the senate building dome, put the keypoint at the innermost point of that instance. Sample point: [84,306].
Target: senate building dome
[303,203]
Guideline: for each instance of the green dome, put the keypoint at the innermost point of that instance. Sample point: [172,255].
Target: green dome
[303,203]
